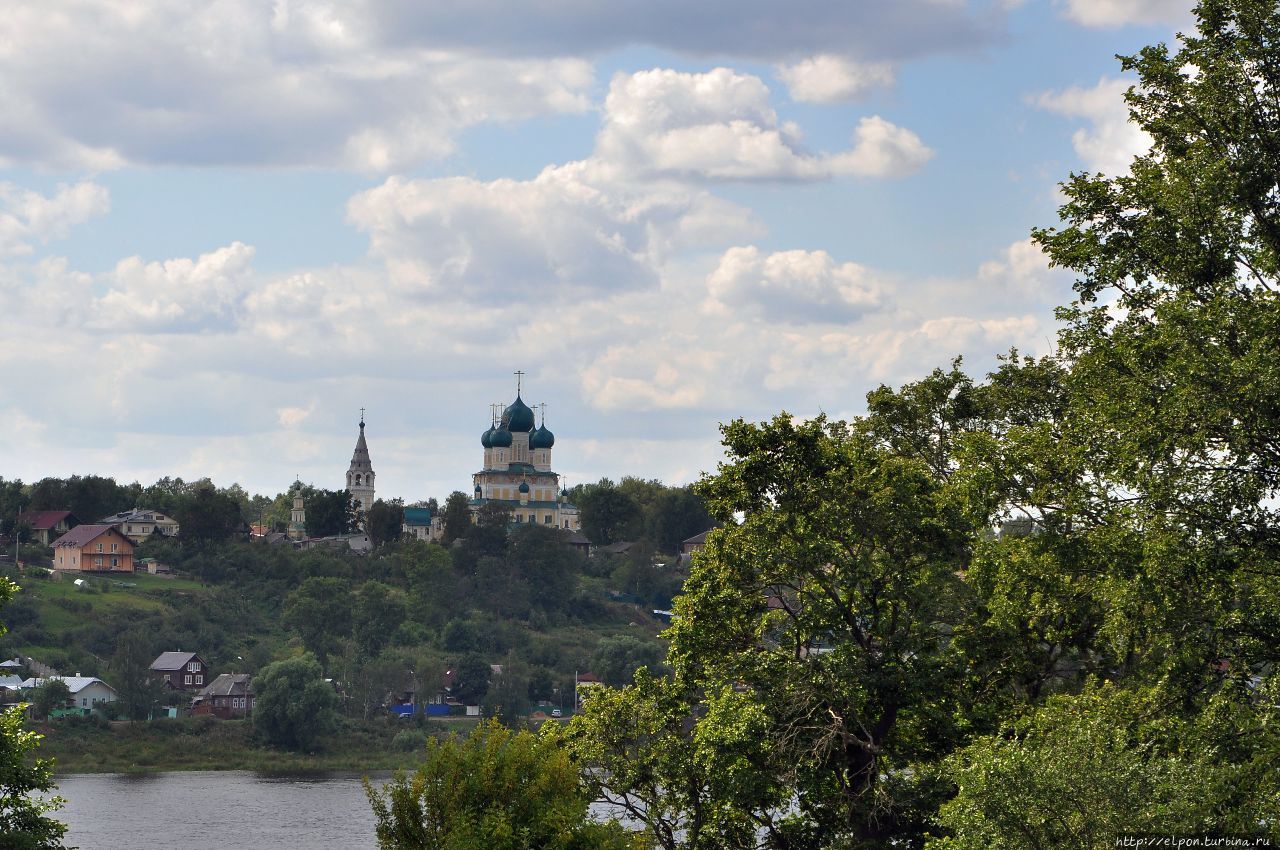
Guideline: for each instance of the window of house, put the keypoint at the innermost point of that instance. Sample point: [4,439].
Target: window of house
[186,680]
[97,562]
[199,680]
[166,677]
[115,562]
[99,547]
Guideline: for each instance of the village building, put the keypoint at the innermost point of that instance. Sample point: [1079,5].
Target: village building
[228,696]
[87,693]
[93,548]
[140,523]
[47,526]
[516,471]
[180,671]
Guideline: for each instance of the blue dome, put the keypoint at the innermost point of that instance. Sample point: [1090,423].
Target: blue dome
[524,486]
[542,438]
[500,439]
[518,417]
[486,439]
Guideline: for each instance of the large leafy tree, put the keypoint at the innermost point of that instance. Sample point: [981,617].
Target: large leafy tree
[320,611]
[131,670]
[294,707]
[495,789]
[25,781]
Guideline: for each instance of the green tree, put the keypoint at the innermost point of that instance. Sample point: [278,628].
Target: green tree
[26,781]
[379,611]
[617,658]
[495,789]
[608,513]
[385,522]
[51,694]
[320,611]
[699,771]
[294,707]
[1078,772]
[457,516]
[331,512]
[131,670]
[471,678]
[207,514]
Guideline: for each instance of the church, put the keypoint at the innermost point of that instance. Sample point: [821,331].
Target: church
[516,470]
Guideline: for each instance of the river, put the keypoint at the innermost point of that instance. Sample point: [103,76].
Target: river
[222,810]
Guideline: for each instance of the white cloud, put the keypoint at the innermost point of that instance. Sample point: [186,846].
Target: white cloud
[720,126]
[1114,13]
[177,294]
[828,78]
[567,231]
[27,217]
[791,286]
[240,82]
[292,417]
[1111,141]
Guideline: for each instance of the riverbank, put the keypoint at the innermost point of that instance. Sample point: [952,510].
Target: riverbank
[202,743]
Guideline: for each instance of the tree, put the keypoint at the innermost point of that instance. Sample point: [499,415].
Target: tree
[608,514]
[1078,772]
[208,515]
[24,817]
[496,789]
[617,658]
[50,695]
[320,611]
[131,668]
[294,707]
[457,516]
[331,512]
[379,611]
[385,522]
[471,677]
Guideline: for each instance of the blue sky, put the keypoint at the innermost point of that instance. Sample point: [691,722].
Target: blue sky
[224,231]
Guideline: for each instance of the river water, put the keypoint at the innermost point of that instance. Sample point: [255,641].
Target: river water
[222,810]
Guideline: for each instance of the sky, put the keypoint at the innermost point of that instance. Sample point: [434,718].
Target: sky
[227,227]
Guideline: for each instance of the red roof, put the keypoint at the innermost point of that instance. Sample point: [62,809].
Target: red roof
[82,535]
[43,520]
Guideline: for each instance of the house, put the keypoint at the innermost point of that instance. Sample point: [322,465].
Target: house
[228,696]
[87,693]
[420,525]
[93,548]
[582,685]
[140,523]
[155,568]
[694,543]
[575,540]
[47,526]
[622,547]
[181,671]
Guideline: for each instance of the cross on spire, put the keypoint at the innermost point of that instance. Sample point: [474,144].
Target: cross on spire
[519,376]
[542,408]
[362,417]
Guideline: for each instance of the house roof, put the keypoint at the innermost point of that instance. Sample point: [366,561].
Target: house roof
[44,520]
[11,683]
[172,660]
[137,515]
[620,548]
[227,685]
[698,538]
[75,684]
[417,516]
[82,535]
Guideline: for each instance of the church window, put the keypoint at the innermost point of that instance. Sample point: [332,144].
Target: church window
[546,520]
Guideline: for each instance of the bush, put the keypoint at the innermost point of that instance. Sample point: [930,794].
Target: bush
[409,740]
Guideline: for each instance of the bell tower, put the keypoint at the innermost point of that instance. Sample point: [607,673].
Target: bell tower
[360,472]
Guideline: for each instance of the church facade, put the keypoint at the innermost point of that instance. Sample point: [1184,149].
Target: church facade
[516,470]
